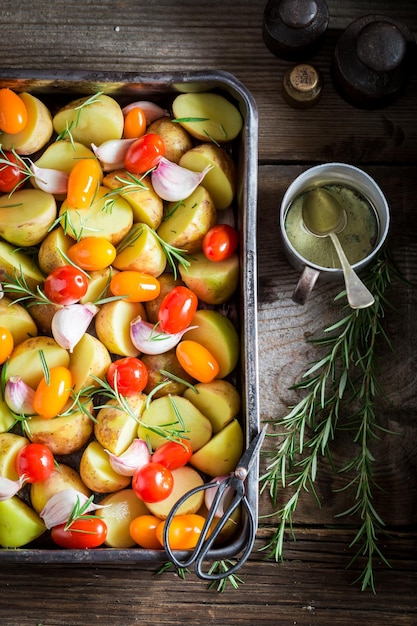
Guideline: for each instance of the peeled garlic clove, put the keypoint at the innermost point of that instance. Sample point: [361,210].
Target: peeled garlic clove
[151,110]
[49,180]
[173,182]
[9,488]
[19,396]
[70,323]
[111,153]
[60,506]
[132,459]
[149,340]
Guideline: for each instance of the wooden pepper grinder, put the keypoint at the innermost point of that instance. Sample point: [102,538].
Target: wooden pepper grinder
[373,60]
[293,28]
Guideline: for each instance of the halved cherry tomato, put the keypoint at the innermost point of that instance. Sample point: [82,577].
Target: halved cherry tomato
[92,253]
[220,242]
[6,343]
[128,375]
[52,395]
[83,182]
[135,286]
[65,285]
[82,534]
[144,153]
[173,454]
[13,112]
[11,176]
[197,361]
[35,461]
[143,531]
[184,531]
[134,123]
[153,482]
[177,309]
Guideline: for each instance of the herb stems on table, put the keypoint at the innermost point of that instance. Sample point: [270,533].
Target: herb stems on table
[341,388]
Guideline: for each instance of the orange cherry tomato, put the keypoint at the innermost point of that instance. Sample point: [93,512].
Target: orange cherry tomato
[184,531]
[136,286]
[13,112]
[143,531]
[197,361]
[92,253]
[134,124]
[52,395]
[83,182]
[6,343]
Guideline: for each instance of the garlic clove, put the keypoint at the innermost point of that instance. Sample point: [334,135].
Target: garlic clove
[111,153]
[60,506]
[71,322]
[151,110]
[19,396]
[173,182]
[210,494]
[50,180]
[9,488]
[148,339]
[132,459]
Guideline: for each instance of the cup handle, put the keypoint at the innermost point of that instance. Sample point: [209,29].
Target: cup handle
[305,285]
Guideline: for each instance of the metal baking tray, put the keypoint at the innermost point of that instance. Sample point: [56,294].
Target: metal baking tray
[58,87]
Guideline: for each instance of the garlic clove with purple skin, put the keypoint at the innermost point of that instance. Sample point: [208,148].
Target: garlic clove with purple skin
[60,506]
[9,488]
[71,322]
[19,396]
[50,180]
[132,459]
[111,153]
[148,339]
[173,182]
[151,110]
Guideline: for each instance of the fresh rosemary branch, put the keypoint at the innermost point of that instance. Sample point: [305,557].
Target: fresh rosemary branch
[345,376]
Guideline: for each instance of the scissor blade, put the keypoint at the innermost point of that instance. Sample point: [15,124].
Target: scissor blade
[249,456]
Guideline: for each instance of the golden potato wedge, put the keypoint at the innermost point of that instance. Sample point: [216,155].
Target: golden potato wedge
[89,357]
[114,428]
[63,155]
[141,251]
[112,324]
[185,479]
[7,418]
[19,524]
[97,473]
[187,222]
[37,131]
[98,285]
[121,508]
[10,444]
[146,205]
[219,119]
[92,119]
[221,454]
[16,264]
[17,319]
[28,225]
[213,282]
[49,255]
[25,360]
[218,400]
[220,180]
[176,139]
[62,477]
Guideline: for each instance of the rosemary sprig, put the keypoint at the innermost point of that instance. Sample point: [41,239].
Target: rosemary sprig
[79,512]
[346,375]
[18,285]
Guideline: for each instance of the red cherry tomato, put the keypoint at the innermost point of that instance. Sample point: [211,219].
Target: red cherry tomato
[92,253]
[82,534]
[128,375]
[177,309]
[144,153]
[184,531]
[52,395]
[65,285]
[153,482]
[197,361]
[173,454]
[35,461]
[6,343]
[143,531]
[11,176]
[13,112]
[220,242]
[134,123]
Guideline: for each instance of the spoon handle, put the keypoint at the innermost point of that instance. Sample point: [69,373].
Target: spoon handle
[358,296]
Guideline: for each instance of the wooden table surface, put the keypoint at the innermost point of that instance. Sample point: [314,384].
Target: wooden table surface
[312,585]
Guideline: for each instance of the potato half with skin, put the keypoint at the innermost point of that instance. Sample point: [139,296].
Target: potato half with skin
[89,358]
[168,362]
[176,139]
[16,264]
[220,180]
[120,509]
[114,428]
[42,315]
[37,131]
[141,251]
[92,119]
[16,318]
[10,444]
[221,454]
[63,155]
[213,282]
[27,223]
[98,285]
[62,477]
[146,205]
[218,118]
[97,473]
[187,222]
[185,479]
[19,524]
[25,360]
[7,418]
[50,252]
[112,324]
[219,400]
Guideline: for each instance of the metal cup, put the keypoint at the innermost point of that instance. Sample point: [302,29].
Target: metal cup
[318,176]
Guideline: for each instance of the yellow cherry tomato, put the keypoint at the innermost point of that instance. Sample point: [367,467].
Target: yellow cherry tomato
[135,286]
[6,343]
[184,531]
[92,253]
[52,395]
[134,124]
[197,361]
[13,112]
[83,182]
[143,531]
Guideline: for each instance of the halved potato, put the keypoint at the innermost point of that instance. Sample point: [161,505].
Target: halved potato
[89,357]
[25,360]
[16,264]
[141,251]
[37,131]
[146,205]
[19,524]
[62,477]
[176,139]
[218,400]
[97,473]
[26,219]
[10,444]
[17,320]
[185,479]
[63,155]
[221,454]
[49,255]
[112,324]
[114,428]
[120,509]
[213,282]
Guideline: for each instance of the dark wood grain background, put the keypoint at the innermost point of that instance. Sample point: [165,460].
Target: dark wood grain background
[312,586]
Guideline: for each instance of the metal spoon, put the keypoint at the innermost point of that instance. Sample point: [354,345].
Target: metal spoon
[324,216]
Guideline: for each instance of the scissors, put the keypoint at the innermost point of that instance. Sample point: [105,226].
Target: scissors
[235,482]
